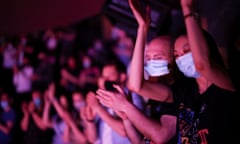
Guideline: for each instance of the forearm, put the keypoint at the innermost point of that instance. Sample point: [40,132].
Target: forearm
[91,132]
[115,124]
[58,108]
[197,42]
[76,132]
[4,129]
[148,127]
[46,114]
[136,66]
[132,133]
[24,122]
[38,121]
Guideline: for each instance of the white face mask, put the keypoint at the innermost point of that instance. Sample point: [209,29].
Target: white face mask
[78,105]
[186,65]
[156,67]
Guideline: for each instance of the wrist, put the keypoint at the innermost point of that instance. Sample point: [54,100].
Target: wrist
[143,28]
[186,10]
[125,106]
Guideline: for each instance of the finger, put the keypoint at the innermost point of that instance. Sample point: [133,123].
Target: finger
[102,98]
[119,89]
[106,103]
[104,92]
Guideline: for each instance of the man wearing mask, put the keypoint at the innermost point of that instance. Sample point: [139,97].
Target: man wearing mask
[7,120]
[110,125]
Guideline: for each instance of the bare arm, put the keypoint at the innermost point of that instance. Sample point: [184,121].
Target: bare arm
[114,123]
[66,75]
[90,130]
[6,128]
[78,135]
[66,134]
[38,121]
[200,50]
[25,122]
[158,131]
[132,133]
[46,110]
[136,80]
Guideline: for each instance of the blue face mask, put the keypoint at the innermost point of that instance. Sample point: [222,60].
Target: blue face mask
[156,67]
[186,65]
[4,104]
[37,102]
[78,105]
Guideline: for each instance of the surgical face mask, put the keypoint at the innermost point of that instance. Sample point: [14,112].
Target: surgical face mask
[4,104]
[186,66]
[78,105]
[37,102]
[156,67]
[86,63]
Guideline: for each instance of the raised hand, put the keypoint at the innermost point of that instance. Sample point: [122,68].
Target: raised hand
[51,91]
[186,3]
[31,107]
[25,108]
[142,18]
[92,100]
[112,99]
[87,114]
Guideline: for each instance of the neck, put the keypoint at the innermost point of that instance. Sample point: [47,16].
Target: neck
[203,84]
[166,79]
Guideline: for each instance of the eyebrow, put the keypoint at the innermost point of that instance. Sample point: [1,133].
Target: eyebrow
[186,45]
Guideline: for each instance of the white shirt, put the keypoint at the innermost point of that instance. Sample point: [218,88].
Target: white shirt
[22,80]
[9,58]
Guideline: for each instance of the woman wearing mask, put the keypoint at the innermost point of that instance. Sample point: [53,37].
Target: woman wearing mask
[35,131]
[70,129]
[205,103]
[61,129]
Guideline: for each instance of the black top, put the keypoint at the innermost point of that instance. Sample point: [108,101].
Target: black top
[156,109]
[206,117]
[34,135]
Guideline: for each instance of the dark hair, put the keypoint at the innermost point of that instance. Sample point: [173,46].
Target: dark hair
[120,67]
[214,54]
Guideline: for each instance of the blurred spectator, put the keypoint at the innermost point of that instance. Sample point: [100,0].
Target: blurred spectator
[7,120]
[43,73]
[111,129]
[22,80]
[123,46]
[35,132]
[89,74]
[60,127]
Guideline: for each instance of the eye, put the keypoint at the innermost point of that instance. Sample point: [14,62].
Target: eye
[175,54]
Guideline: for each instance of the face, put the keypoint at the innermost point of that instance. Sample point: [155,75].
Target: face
[110,73]
[158,49]
[77,97]
[63,101]
[184,59]
[181,47]
[78,101]
[36,95]
[71,62]
[36,98]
